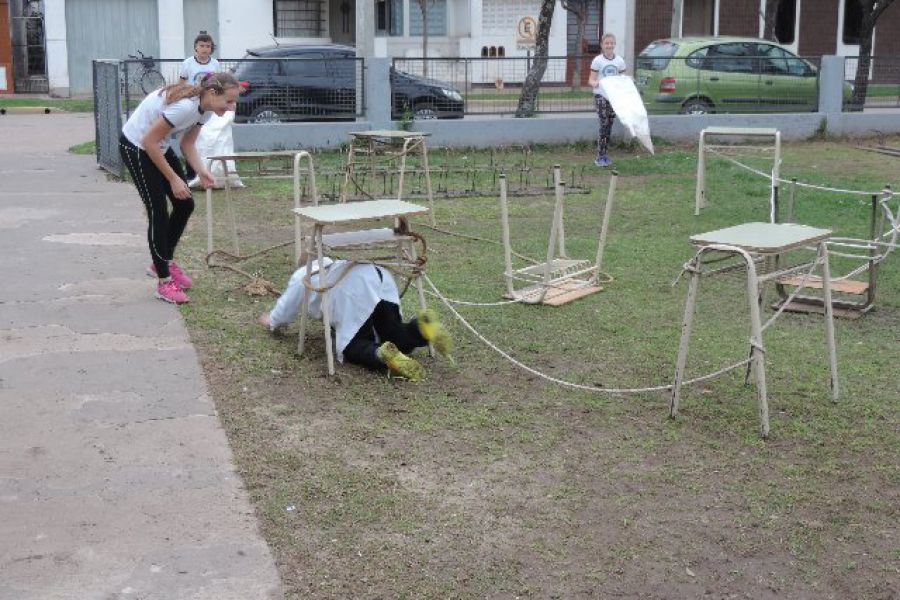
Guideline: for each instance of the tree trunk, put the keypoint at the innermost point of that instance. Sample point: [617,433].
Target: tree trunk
[861,83]
[871,9]
[528,99]
[581,23]
[770,18]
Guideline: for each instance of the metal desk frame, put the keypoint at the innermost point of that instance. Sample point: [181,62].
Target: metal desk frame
[397,144]
[751,241]
[343,214]
[261,158]
[762,133]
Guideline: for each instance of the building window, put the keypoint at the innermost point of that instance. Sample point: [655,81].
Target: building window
[389,17]
[852,22]
[786,21]
[298,18]
[437,17]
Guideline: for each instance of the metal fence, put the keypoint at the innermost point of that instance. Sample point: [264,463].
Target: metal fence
[279,89]
[492,85]
[668,85]
[29,55]
[108,108]
[883,89]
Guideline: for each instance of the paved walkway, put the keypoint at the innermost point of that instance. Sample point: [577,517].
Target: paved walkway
[116,479]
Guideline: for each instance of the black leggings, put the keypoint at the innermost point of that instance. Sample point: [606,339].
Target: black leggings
[606,114]
[164,229]
[386,322]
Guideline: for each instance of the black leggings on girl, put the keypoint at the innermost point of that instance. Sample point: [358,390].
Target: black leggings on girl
[164,229]
[386,322]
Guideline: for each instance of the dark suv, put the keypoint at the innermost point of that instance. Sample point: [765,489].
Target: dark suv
[304,83]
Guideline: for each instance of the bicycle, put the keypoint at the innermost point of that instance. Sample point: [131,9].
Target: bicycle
[145,78]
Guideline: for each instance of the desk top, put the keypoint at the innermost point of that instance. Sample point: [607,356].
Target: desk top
[254,155]
[763,238]
[331,214]
[389,134]
[740,131]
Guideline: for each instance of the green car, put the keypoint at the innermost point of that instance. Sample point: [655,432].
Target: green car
[725,75]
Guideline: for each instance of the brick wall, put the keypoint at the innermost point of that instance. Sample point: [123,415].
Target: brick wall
[652,21]
[818,27]
[887,40]
[739,17]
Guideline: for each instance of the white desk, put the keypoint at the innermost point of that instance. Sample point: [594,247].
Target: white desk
[347,213]
[750,241]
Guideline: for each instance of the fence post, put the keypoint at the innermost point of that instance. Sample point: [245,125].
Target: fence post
[831,92]
[378,92]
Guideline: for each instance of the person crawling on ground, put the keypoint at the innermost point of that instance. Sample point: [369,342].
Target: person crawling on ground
[365,316]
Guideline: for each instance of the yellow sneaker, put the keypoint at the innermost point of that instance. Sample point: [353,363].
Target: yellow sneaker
[434,333]
[399,363]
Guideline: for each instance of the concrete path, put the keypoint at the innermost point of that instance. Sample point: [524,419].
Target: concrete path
[116,479]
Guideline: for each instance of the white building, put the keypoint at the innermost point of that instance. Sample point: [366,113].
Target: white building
[78,31]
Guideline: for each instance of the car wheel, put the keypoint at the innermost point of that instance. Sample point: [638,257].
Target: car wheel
[423,112]
[696,106]
[265,114]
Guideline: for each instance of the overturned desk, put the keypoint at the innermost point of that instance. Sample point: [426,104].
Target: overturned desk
[750,242]
[367,146]
[399,238]
[262,159]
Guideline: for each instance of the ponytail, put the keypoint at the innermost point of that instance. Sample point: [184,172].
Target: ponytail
[216,82]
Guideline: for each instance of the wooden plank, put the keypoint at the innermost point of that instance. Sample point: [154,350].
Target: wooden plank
[846,286]
[562,293]
[817,309]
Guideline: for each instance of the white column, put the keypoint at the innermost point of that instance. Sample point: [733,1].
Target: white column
[171,28]
[365,28]
[618,19]
[57,49]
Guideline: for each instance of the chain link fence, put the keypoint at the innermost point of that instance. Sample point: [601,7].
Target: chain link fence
[108,110]
[883,90]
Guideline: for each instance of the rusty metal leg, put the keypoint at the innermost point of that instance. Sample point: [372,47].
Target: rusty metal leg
[829,320]
[757,351]
[689,308]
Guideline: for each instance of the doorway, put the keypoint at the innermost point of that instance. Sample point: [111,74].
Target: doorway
[697,17]
[342,21]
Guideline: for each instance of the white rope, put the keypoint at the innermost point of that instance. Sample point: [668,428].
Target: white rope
[468,303]
[800,183]
[793,294]
[561,382]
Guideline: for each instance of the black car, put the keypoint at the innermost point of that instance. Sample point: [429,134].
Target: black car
[305,82]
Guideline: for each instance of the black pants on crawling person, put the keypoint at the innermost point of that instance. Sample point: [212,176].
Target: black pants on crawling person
[388,325]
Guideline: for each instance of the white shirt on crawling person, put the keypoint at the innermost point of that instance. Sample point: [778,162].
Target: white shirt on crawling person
[606,67]
[181,115]
[352,300]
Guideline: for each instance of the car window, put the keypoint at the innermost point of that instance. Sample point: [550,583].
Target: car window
[255,69]
[308,64]
[778,61]
[656,56]
[735,57]
[696,58]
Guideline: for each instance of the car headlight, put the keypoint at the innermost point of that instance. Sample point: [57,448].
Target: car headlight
[452,94]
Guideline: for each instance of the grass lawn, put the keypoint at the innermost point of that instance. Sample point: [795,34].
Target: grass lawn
[67,104]
[485,481]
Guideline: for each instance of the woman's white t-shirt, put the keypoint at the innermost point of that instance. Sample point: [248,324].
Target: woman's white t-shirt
[606,67]
[181,115]
[191,70]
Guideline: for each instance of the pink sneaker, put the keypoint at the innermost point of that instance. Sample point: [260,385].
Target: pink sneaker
[175,272]
[179,276]
[170,292]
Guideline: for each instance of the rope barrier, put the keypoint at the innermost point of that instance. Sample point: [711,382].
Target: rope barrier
[799,183]
[561,382]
